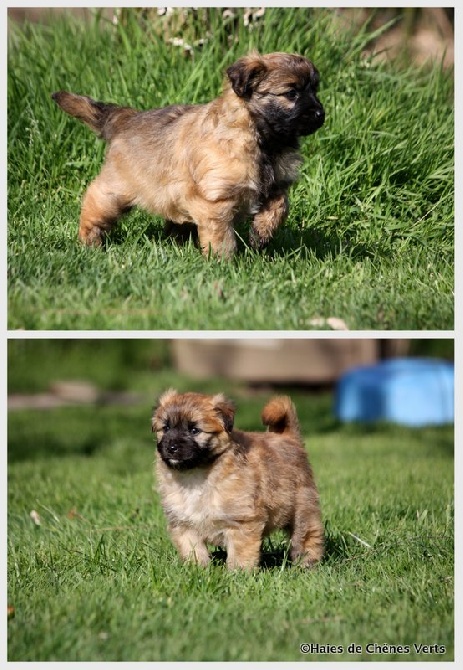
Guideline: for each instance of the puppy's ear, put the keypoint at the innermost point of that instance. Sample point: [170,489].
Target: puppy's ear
[163,398]
[226,409]
[166,396]
[245,74]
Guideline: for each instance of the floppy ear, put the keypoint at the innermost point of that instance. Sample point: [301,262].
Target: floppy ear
[167,395]
[226,410]
[245,75]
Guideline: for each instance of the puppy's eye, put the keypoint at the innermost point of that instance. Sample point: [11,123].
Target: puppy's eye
[165,427]
[193,428]
[291,94]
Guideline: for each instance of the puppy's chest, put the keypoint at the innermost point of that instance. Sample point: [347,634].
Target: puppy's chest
[274,173]
[192,498]
[280,170]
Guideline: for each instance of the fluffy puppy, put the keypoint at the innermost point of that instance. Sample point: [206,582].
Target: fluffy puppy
[231,488]
[211,164]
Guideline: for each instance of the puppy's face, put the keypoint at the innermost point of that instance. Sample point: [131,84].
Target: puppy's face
[192,429]
[281,92]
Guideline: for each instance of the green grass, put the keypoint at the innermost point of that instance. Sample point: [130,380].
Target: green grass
[370,234]
[99,580]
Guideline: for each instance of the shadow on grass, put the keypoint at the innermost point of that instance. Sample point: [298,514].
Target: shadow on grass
[337,548]
[139,226]
[269,559]
[323,244]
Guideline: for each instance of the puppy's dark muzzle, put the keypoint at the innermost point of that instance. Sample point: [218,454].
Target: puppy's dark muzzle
[319,117]
[170,446]
[181,452]
[312,120]
[171,449]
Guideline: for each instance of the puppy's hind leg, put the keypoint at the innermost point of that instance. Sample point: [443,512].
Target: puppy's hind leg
[308,537]
[271,215]
[101,208]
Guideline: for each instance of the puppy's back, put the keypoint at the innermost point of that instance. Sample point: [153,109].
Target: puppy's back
[279,453]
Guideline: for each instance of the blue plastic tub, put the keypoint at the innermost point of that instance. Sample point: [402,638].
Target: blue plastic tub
[408,391]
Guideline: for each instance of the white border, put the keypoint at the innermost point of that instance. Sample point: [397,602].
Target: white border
[456,334]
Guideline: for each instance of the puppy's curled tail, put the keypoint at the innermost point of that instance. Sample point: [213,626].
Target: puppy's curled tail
[103,118]
[279,415]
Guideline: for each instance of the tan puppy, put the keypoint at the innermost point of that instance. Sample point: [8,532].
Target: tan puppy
[210,165]
[231,488]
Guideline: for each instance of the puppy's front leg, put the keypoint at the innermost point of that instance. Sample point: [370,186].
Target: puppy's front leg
[217,237]
[190,545]
[271,215]
[243,546]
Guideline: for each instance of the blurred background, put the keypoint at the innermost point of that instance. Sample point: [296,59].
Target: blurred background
[415,34]
[405,375]
[116,365]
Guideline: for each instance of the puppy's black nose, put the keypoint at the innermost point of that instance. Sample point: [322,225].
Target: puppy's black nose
[320,114]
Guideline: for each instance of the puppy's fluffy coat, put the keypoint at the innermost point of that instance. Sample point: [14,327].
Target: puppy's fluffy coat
[210,165]
[231,488]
